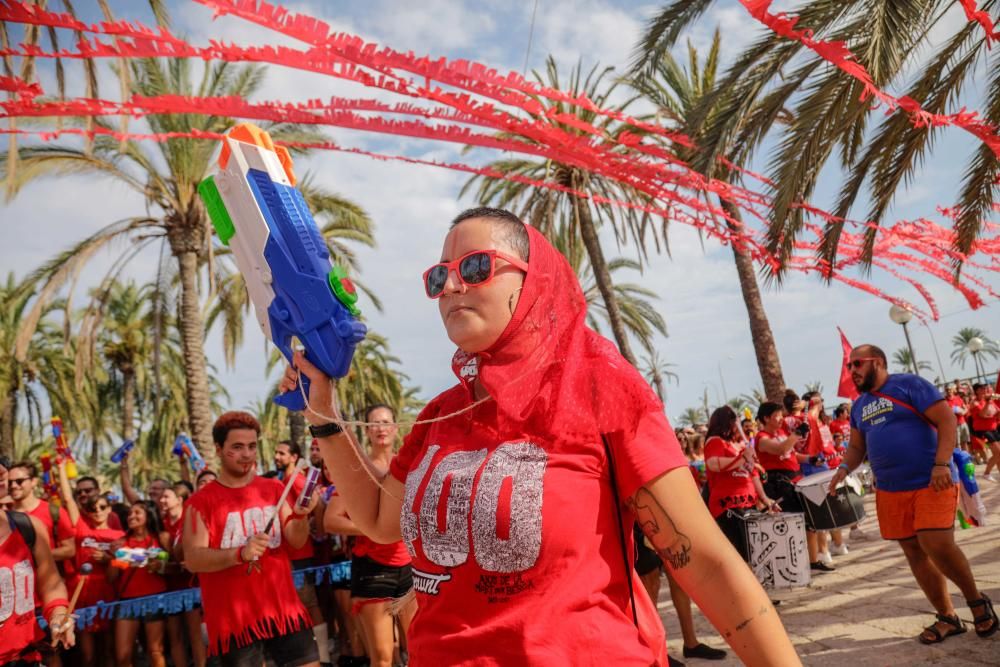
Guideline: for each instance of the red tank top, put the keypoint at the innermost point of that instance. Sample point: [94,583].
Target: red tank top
[240,607]
[90,540]
[18,628]
[768,461]
[136,582]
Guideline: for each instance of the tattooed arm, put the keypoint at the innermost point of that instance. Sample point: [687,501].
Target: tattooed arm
[675,520]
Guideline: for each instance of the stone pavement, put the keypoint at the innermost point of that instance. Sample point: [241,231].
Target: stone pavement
[869,612]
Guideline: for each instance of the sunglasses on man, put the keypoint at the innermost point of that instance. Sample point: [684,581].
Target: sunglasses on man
[857,363]
[474,269]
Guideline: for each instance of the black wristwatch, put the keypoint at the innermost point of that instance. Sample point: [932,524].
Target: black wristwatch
[325,430]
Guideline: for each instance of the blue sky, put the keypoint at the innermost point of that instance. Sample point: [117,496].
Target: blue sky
[699,295]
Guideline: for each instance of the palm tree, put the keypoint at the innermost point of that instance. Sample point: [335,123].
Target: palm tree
[656,370]
[960,342]
[546,209]
[167,177]
[43,364]
[904,362]
[677,93]
[832,113]
[692,416]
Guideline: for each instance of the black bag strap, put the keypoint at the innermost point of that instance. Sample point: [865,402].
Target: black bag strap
[621,526]
[21,522]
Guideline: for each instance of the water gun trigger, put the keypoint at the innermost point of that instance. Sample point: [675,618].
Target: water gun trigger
[292,400]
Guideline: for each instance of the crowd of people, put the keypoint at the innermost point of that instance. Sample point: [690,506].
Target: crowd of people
[499,526]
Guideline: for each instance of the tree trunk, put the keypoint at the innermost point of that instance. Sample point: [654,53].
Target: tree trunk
[603,278]
[8,419]
[199,403]
[658,385]
[128,404]
[297,430]
[768,362]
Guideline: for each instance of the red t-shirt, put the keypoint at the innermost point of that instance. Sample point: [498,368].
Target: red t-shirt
[843,427]
[88,540]
[981,422]
[514,539]
[17,598]
[731,488]
[392,555]
[957,402]
[786,461]
[241,606]
[306,550]
[136,582]
[56,532]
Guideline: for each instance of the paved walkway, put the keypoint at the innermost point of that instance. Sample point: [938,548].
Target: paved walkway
[869,612]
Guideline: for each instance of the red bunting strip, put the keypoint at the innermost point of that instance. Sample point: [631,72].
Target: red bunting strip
[982,17]
[839,55]
[19,87]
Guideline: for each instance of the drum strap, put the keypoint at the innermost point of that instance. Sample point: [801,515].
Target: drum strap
[621,527]
[907,406]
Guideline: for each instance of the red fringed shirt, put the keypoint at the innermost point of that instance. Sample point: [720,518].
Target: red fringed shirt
[241,608]
[18,628]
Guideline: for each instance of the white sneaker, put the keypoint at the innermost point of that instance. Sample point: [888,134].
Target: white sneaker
[825,558]
[857,535]
[993,477]
[839,551]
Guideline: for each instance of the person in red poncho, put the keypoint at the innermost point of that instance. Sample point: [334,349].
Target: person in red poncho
[512,510]
[27,569]
[252,611]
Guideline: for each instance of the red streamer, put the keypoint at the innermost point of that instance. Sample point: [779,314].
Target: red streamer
[973,13]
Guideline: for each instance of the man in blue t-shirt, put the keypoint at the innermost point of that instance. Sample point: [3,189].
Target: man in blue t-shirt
[908,432]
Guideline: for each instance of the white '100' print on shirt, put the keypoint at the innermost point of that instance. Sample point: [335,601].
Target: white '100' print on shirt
[523,462]
[17,590]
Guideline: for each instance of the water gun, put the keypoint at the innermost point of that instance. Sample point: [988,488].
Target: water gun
[971,510]
[296,291]
[48,478]
[127,557]
[120,453]
[63,452]
[184,447]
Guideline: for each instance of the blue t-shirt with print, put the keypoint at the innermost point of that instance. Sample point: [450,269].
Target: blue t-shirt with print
[901,445]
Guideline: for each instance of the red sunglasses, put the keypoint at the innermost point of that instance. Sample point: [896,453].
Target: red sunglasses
[474,269]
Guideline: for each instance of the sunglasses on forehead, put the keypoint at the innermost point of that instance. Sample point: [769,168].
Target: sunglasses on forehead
[473,269]
[856,363]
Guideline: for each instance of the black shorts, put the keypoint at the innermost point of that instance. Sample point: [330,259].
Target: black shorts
[371,579]
[646,560]
[290,650]
[733,526]
[780,488]
[988,436]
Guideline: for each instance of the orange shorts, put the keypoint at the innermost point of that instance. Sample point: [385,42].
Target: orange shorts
[902,513]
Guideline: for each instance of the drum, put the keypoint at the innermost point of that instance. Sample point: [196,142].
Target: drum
[776,545]
[828,512]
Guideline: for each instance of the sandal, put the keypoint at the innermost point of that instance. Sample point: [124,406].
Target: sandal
[989,614]
[957,628]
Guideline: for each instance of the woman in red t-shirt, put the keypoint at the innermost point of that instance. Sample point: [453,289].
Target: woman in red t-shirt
[510,490]
[144,532]
[380,573]
[985,414]
[171,505]
[733,480]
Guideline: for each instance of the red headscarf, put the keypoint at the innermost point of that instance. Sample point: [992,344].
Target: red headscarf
[549,373]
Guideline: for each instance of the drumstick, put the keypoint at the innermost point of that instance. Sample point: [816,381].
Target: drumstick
[85,570]
[300,465]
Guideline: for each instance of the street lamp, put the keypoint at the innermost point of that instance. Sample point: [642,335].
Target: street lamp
[901,315]
[975,346]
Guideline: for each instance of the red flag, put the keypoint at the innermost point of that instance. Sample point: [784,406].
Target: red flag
[846,388]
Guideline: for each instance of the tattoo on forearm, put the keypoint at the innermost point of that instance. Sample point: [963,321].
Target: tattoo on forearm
[673,546]
[745,622]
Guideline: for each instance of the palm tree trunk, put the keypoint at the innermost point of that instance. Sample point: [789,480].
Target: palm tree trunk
[603,278]
[297,429]
[658,384]
[128,404]
[193,342]
[8,416]
[768,362]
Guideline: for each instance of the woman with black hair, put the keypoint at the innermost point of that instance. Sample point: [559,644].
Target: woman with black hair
[144,532]
[733,477]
